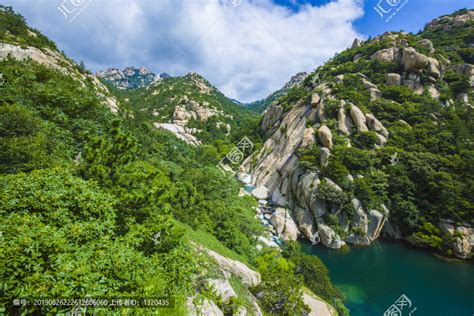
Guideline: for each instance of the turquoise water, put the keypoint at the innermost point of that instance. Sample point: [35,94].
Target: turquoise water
[372,278]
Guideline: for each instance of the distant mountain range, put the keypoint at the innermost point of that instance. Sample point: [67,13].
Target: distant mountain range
[130,77]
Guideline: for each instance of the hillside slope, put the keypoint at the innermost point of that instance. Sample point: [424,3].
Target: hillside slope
[98,203]
[379,141]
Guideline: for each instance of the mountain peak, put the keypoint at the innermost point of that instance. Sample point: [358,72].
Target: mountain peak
[130,77]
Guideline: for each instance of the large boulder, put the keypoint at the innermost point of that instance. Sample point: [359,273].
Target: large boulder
[237,268]
[284,224]
[260,193]
[305,222]
[222,288]
[463,238]
[315,99]
[356,43]
[387,55]
[427,44]
[358,118]
[394,79]
[344,123]
[360,222]
[325,136]
[308,138]
[316,306]
[328,236]
[179,132]
[414,61]
[324,156]
[376,125]
[205,307]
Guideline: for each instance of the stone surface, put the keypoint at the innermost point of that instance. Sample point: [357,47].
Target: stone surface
[271,116]
[179,132]
[344,122]
[358,118]
[325,136]
[375,125]
[375,94]
[260,193]
[328,236]
[308,138]
[237,268]
[324,156]
[317,307]
[356,43]
[376,223]
[222,288]
[394,79]
[315,99]
[387,55]
[284,225]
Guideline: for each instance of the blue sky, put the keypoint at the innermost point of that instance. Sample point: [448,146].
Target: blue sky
[247,48]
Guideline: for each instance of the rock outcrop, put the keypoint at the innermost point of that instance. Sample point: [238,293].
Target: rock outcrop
[359,119]
[285,226]
[179,132]
[237,268]
[462,237]
[325,136]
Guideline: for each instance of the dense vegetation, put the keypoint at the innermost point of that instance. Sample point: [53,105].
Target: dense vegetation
[101,205]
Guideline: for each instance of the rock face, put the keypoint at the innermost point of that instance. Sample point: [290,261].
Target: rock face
[391,54]
[223,288]
[316,306]
[447,23]
[285,226]
[237,268]
[179,132]
[375,125]
[463,238]
[329,238]
[394,79]
[290,185]
[194,110]
[344,123]
[208,307]
[271,116]
[308,138]
[359,119]
[324,156]
[325,136]
[260,193]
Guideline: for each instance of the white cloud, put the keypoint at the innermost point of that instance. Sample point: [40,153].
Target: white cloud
[247,51]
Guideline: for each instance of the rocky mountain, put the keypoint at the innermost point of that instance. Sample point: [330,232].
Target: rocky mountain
[375,142]
[261,105]
[130,77]
[192,109]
